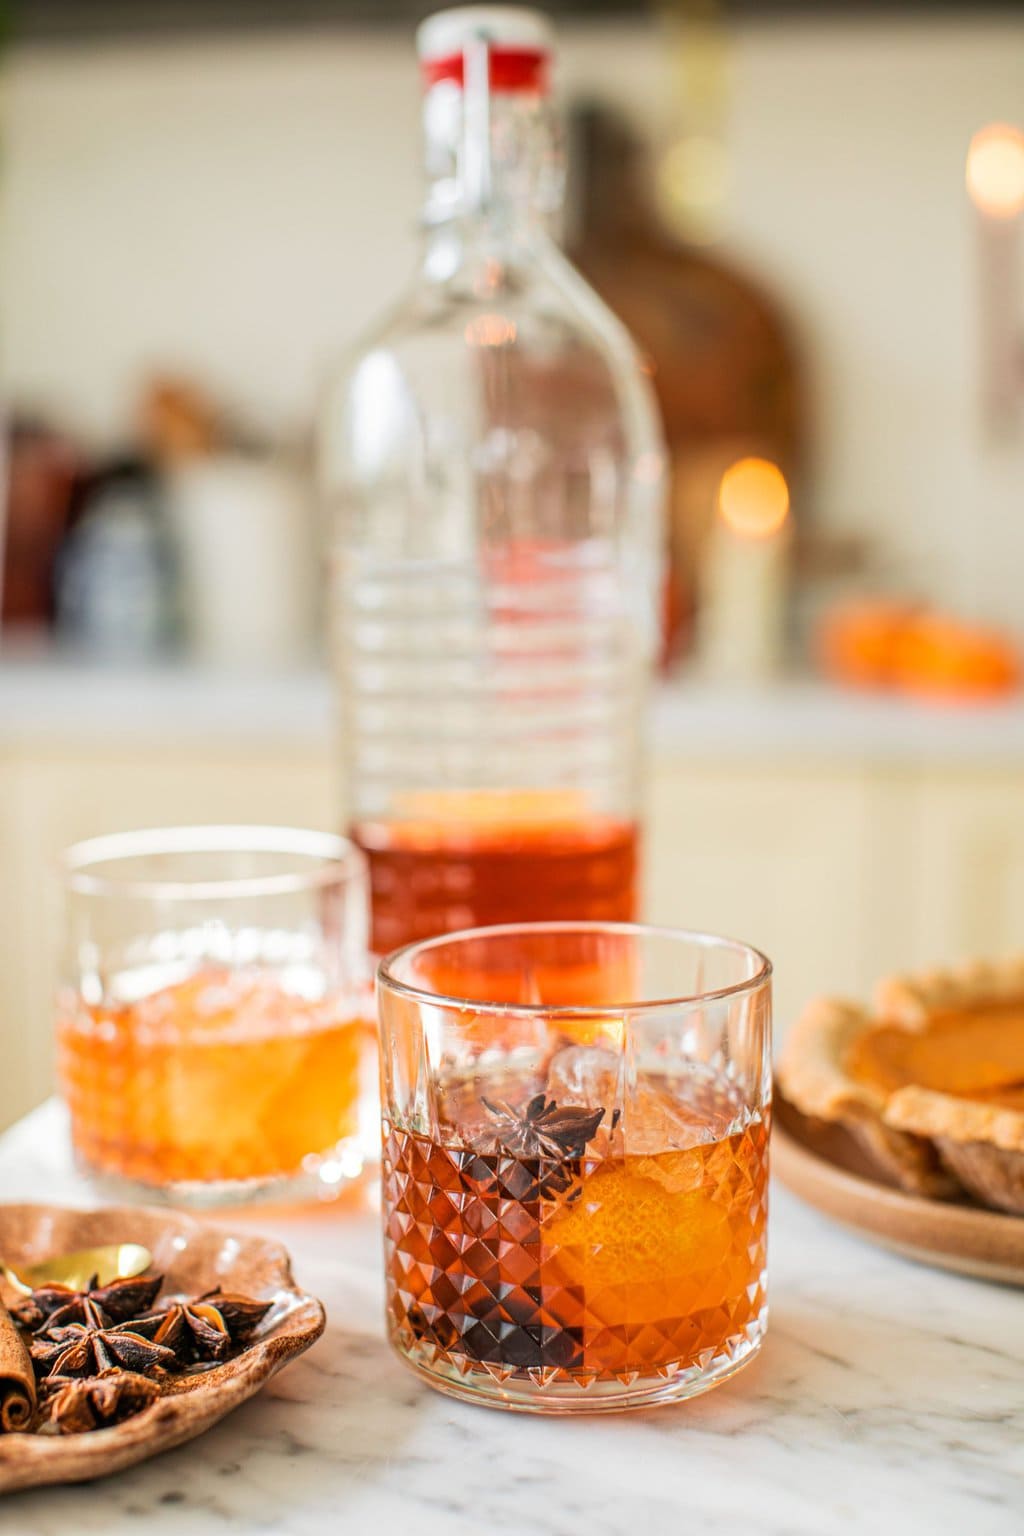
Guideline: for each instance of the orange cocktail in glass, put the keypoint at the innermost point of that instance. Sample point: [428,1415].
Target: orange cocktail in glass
[575,1187]
[212,1018]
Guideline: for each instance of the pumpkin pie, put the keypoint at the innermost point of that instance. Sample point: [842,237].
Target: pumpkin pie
[930,1081]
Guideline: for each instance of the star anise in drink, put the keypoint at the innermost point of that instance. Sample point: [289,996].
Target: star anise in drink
[95,1345]
[556,1137]
[542,1129]
[75,1406]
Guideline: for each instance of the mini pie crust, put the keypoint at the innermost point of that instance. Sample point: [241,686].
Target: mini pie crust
[925,1141]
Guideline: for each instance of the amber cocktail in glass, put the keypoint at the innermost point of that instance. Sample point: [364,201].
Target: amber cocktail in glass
[575,1162]
[213,1032]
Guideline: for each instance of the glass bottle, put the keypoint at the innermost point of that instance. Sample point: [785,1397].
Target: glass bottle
[492,464]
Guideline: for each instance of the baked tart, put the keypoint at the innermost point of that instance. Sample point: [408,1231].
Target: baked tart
[930,1082]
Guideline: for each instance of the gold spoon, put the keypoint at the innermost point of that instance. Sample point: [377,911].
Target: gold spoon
[114,1261]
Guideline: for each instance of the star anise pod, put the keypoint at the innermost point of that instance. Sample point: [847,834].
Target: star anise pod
[205,1329]
[542,1129]
[543,1142]
[191,1330]
[242,1315]
[56,1306]
[95,1345]
[32,1311]
[74,1406]
[122,1300]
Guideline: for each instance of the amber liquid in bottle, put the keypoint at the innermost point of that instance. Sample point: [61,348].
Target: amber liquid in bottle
[431,878]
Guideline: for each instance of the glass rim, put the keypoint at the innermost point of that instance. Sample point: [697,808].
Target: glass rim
[88,867]
[387,979]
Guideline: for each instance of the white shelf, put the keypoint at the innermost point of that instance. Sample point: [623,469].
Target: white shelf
[47,698]
[813,721]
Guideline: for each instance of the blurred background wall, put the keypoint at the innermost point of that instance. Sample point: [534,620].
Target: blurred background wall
[240,204]
[233,207]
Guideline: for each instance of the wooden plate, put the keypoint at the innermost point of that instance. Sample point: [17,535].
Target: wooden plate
[193,1258]
[823,1165]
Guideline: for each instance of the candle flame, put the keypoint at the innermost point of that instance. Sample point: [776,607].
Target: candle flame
[995,170]
[753,498]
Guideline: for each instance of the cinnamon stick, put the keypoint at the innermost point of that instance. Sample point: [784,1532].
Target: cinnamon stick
[17,1379]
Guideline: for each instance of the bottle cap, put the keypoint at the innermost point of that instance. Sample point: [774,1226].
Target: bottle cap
[520,42]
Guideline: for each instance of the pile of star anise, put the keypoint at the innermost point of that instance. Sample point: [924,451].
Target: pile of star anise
[105,1353]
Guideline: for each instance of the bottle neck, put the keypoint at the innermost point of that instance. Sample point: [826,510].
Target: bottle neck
[494,173]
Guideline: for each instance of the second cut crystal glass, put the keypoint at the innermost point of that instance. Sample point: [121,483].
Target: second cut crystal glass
[213,1035]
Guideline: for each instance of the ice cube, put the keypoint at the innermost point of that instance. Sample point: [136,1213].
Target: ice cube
[584,1074]
[668,1112]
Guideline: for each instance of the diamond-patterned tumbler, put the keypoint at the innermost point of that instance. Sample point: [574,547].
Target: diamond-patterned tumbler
[575,1168]
[213,1040]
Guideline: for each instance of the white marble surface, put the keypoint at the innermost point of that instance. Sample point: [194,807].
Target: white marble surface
[47,697]
[888,1399]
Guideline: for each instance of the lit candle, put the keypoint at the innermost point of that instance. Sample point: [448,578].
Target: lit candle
[746,572]
[995,183]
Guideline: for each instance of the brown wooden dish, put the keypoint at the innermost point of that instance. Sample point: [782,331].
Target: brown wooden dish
[824,1164]
[194,1259]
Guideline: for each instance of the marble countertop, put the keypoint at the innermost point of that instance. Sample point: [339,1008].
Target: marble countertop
[45,697]
[889,1398]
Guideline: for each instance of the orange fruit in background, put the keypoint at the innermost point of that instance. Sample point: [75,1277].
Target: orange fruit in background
[856,643]
[917,651]
[944,657]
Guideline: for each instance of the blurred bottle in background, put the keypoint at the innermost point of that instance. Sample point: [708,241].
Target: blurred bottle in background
[493,464]
[116,573]
[197,541]
[725,362]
